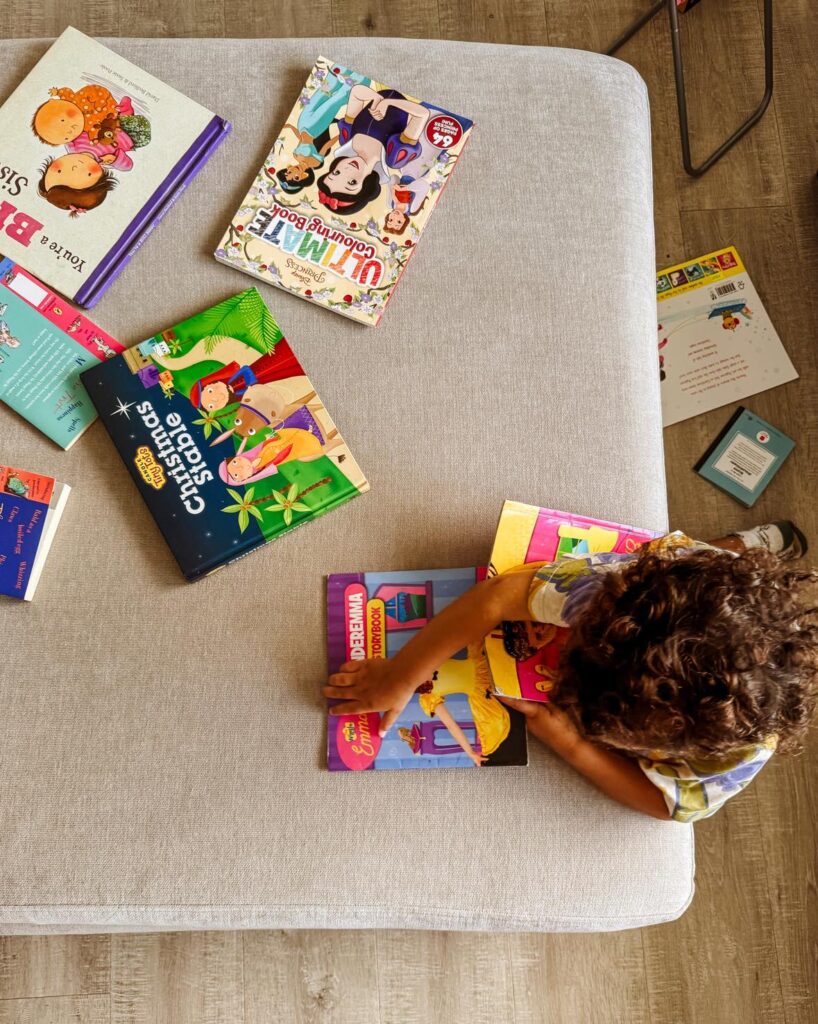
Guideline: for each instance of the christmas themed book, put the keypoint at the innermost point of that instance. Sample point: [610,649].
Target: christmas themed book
[717,344]
[452,721]
[45,343]
[223,433]
[30,509]
[337,209]
[95,151]
[524,656]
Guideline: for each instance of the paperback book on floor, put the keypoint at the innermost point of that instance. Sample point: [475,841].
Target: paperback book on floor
[452,721]
[45,343]
[223,433]
[94,152]
[338,207]
[716,342]
[30,509]
[524,656]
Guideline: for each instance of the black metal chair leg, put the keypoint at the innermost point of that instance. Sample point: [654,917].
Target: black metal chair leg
[693,170]
[631,31]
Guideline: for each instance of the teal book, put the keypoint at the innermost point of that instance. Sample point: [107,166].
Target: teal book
[45,344]
[745,457]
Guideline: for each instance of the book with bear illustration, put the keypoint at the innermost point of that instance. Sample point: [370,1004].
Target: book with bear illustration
[223,433]
[45,343]
[30,509]
[452,721]
[338,207]
[94,153]
[524,656]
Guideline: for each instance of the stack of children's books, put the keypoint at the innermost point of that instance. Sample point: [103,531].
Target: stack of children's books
[215,418]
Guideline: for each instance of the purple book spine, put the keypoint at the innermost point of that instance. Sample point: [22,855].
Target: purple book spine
[177,179]
[337,649]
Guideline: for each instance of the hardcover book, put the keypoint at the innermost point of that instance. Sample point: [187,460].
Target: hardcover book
[94,153]
[338,207]
[45,343]
[745,457]
[30,509]
[524,656]
[716,342]
[223,433]
[452,721]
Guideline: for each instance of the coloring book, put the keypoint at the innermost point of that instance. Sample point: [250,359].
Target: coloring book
[223,433]
[716,342]
[94,152]
[30,509]
[338,206]
[45,343]
[524,656]
[452,721]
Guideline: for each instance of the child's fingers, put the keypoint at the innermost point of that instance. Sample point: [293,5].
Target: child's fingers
[525,707]
[341,679]
[341,692]
[350,666]
[349,707]
[388,720]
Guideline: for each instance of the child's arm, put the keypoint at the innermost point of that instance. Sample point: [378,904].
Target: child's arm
[386,685]
[618,777]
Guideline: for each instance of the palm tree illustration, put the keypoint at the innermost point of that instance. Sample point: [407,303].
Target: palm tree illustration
[287,504]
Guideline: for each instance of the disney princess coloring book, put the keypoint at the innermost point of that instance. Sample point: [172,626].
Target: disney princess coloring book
[223,433]
[452,720]
[337,209]
[94,153]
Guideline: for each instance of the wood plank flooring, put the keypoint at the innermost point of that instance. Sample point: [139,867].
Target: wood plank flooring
[747,950]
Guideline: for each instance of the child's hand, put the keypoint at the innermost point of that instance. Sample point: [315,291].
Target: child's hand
[546,722]
[370,685]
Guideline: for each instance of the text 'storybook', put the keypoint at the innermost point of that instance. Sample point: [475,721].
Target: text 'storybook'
[524,656]
[716,343]
[94,153]
[745,456]
[338,207]
[30,509]
[452,720]
[223,433]
[45,343]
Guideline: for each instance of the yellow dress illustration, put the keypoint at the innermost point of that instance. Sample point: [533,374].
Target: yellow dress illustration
[471,677]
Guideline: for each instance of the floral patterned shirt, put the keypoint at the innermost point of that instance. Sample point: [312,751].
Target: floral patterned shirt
[692,789]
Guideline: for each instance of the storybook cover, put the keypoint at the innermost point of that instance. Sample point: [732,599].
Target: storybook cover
[93,152]
[30,509]
[524,656]
[717,344]
[45,343]
[452,721]
[223,433]
[338,207]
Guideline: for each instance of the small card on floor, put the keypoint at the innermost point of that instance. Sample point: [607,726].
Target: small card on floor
[745,457]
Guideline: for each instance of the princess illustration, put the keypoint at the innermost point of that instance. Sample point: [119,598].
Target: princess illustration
[380,130]
[429,738]
[408,197]
[313,131]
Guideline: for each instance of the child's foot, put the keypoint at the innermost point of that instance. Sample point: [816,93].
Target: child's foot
[782,538]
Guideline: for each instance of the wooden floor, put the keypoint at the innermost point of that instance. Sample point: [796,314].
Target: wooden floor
[747,950]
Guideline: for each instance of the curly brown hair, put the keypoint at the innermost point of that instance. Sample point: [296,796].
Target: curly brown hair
[694,654]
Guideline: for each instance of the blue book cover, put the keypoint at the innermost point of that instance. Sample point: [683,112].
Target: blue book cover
[223,433]
[745,457]
[453,720]
[30,509]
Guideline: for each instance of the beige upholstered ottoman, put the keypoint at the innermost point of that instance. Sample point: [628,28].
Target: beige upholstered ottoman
[162,744]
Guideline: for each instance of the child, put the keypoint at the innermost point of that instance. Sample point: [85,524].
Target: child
[685,666]
[68,114]
[75,182]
